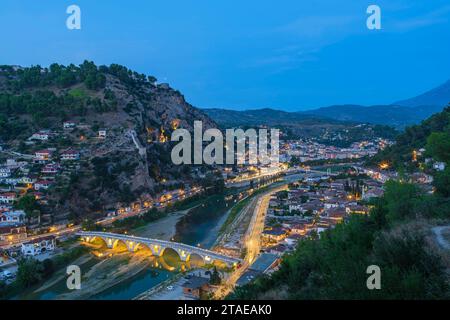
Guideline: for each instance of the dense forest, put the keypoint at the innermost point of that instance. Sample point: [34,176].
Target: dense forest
[396,236]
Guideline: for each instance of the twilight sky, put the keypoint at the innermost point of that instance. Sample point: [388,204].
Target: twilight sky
[285,54]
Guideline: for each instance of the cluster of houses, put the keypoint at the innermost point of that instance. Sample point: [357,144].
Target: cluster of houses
[159,201]
[31,174]
[311,207]
[310,150]
[246,172]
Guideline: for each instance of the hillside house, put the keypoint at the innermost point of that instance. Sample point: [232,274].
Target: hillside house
[5,172]
[69,125]
[70,155]
[50,168]
[102,133]
[42,135]
[13,233]
[42,185]
[43,155]
[7,197]
[12,217]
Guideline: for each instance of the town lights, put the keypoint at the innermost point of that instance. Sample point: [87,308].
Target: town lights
[384,165]
[414,156]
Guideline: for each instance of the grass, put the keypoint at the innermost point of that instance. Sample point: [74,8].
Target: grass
[234,212]
[240,205]
[78,93]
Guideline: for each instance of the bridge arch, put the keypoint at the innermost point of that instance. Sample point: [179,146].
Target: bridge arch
[179,251]
[171,253]
[142,246]
[118,243]
[92,239]
[195,259]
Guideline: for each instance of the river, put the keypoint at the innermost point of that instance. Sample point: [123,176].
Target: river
[199,227]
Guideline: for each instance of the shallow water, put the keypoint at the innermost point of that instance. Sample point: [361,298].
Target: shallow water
[200,227]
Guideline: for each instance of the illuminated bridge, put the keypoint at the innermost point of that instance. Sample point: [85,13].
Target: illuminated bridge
[157,247]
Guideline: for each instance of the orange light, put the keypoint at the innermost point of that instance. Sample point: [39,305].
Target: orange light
[384,165]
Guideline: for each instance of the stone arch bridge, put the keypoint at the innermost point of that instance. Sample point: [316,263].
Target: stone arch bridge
[157,247]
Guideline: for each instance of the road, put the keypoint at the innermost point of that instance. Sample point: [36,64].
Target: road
[252,241]
[58,233]
[438,233]
[71,230]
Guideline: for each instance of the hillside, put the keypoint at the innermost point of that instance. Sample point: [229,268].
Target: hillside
[392,115]
[302,125]
[124,103]
[415,137]
[399,114]
[230,118]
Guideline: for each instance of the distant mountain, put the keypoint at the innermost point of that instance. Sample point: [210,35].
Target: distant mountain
[298,124]
[230,118]
[439,96]
[393,115]
[399,114]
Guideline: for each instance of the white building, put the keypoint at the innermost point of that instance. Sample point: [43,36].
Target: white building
[43,155]
[11,217]
[42,185]
[69,125]
[8,197]
[38,246]
[5,172]
[439,166]
[27,180]
[42,135]
[102,133]
[50,168]
[70,155]
[293,207]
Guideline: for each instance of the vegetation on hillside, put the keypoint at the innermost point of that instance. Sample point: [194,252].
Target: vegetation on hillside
[396,236]
[399,155]
[58,92]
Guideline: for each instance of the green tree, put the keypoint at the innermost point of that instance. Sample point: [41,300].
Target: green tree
[442,182]
[438,146]
[48,268]
[214,277]
[90,225]
[401,199]
[29,272]
[28,204]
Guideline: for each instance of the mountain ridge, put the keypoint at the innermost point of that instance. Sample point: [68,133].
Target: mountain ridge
[438,96]
[399,114]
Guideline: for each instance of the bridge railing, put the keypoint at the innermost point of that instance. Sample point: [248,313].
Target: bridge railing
[162,243]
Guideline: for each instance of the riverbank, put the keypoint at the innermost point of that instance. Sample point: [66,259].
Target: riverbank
[164,228]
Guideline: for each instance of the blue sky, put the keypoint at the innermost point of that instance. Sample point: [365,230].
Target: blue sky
[289,55]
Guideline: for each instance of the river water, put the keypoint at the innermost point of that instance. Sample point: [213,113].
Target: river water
[200,227]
